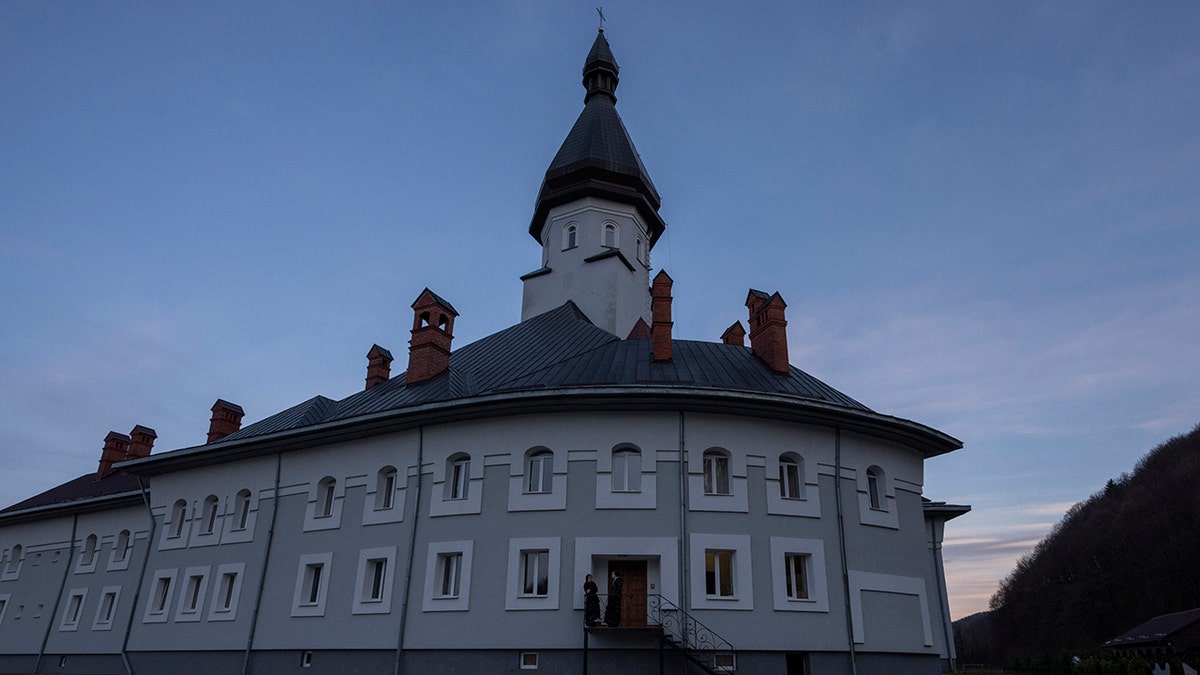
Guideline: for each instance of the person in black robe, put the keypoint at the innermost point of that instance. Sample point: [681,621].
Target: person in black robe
[612,612]
[591,602]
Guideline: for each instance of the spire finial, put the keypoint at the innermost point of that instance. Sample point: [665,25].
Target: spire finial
[600,11]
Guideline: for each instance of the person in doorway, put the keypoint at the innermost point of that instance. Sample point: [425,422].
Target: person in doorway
[591,603]
[612,612]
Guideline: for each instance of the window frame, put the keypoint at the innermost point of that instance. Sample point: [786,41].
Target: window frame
[812,553]
[720,572]
[539,471]
[218,610]
[73,610]
[110,597]
[312,584]
[629,473]
[716,464]
[570,236]
[376,571]
[158,600]
[791,476]
[740,571]
[610,228]
[436,554]
[386,480]
[458,477]
[179,519]
[89,555]
[192,594]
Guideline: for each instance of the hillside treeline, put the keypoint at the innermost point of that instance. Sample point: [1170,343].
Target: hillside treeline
[1127,554]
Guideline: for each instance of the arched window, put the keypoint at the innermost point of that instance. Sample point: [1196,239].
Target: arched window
[716,472]
[121,547]
[178,513]
[876,485]
[570,236]
[90,549]
[325,493]
[791,476]
[385,488]
[241,509]
[458,476]
[641,253]
[610,235]
[14,560]
[208,519]
[539,470]
[627,470]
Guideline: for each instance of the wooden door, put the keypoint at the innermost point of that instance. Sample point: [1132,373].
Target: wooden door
[633,583]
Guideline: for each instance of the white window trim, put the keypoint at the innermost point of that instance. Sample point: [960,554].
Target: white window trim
[743,582]
[216,609]
[184,613]
[528,663]
[660,553]
[605,228]
[607,498]
[152,614]
[736,501]
[231,533]
[439,502]
[87,563]
[115,562]
[886,583]
[364,581]
[12,563]
[99,623]
[434,603]
[395,514]
[514,598]
[887,515]
[809,506]
[5,598]
[172,522]
[818,580]
[314,518]
[300,604]
[70,620]
[201,536]
[520,499]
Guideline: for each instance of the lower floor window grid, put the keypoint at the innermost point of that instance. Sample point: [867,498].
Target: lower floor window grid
[225,591]
[162,595]
[108,603]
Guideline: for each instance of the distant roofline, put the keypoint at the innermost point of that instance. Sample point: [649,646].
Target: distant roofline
[65,508]
[624,398]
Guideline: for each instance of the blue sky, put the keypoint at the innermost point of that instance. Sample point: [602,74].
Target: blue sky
[983,216]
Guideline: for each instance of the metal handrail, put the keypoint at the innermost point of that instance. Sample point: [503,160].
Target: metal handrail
[701,643]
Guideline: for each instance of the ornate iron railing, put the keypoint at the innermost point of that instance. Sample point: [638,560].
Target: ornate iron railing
[702,645]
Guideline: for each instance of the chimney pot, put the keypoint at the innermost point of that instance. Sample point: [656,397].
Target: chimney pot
[432,333]
[379,366]
[768,329]
[115,447]
[660,316]
[734,335]
[226,419]
[140,443]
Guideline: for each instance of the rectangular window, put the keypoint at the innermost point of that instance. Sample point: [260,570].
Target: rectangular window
[70,619]
[225,591]
[386,498]
[529,660]
[541,473]
[449,574]
[162,595]
[376,580]
[795,566]
[312,583]
[789,480]
[107,609]
[191,594]
[718,573]
[716,474]
[535,573]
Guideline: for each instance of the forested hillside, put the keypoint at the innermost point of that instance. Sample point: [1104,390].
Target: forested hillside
[1128,553]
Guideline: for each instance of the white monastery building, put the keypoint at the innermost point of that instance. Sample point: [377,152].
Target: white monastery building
[445,519]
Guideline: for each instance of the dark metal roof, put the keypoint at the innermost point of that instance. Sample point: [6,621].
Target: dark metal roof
[1156,630]
[86,487]
[560,349]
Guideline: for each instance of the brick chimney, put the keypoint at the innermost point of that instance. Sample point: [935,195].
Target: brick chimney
[768,329]
[379,366]
[226,419]
[432,332]
[141,442]
[734,335]
[660,315]
[115,446]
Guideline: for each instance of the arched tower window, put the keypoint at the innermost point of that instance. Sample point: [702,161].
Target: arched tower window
[610,235]
[570,236]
